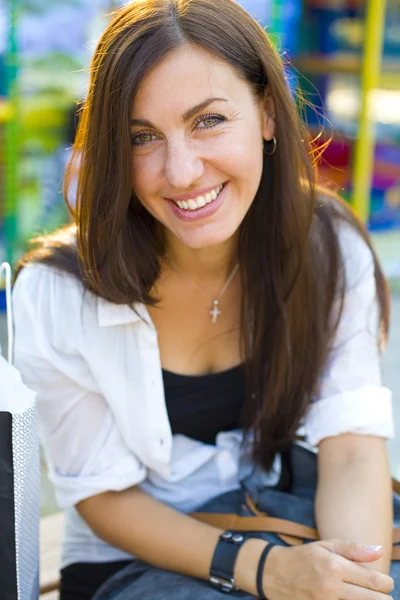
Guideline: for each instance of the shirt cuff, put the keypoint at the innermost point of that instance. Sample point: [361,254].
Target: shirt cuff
[70,490]
[366,410]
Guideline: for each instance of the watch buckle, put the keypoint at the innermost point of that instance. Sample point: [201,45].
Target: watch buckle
[223,584]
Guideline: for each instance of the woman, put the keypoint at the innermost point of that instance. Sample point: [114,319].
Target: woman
[206,289]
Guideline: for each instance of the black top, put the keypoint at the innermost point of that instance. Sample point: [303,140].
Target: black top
[199,407]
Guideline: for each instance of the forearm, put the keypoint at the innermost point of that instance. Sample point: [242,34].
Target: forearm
[161,536]
[354,503]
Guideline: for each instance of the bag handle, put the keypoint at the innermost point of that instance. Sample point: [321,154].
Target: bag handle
[290,531]
[10,331]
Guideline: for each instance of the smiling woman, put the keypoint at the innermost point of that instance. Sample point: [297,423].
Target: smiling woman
[208,299]
[185,154]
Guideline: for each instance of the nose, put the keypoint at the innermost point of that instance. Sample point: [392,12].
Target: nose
[183,166]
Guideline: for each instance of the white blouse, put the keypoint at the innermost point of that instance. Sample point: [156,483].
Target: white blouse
[104,425]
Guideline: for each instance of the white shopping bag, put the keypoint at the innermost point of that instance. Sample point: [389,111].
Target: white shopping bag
[19,477]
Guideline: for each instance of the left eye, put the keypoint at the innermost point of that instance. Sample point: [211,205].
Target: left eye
[208,121]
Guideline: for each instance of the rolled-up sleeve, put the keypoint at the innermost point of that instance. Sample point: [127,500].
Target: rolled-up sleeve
[352,398]
[83,446]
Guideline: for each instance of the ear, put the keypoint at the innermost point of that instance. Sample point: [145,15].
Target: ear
[268,116]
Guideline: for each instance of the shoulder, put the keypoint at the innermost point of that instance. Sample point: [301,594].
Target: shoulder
[358,257]
[52,308]
[338,232]
[47,279]
[43,285]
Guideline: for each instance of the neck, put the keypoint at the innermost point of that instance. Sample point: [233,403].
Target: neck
[203,263]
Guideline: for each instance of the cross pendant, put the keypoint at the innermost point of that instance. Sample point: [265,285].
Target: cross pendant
[215,311]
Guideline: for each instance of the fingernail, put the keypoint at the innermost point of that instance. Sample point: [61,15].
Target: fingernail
[374,548]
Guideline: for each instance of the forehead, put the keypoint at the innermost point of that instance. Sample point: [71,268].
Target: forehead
[184,78]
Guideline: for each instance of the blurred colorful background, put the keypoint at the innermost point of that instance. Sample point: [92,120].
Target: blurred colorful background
[342,55]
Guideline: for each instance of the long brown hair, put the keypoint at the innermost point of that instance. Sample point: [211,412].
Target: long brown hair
[292,272]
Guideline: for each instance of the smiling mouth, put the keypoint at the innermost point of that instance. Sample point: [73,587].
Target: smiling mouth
[200,201]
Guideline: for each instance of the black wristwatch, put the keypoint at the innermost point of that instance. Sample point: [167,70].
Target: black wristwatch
[223,562]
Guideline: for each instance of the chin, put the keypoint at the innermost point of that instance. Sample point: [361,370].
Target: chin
[208,240]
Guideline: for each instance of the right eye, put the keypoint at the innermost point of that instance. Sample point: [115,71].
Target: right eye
[142,138]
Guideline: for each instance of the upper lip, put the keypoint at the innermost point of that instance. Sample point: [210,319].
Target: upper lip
[194,194]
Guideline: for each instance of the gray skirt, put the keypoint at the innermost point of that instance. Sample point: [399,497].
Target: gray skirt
[292,499]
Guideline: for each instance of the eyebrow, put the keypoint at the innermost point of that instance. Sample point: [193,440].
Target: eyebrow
[191,112]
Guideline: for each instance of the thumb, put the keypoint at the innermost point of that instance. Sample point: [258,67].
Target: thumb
[354,551]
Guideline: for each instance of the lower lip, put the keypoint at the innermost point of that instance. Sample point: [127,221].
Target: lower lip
[200,213]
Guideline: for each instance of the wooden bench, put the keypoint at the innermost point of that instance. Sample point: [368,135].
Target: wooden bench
[51,532]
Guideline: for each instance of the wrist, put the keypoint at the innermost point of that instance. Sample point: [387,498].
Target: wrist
[246,565]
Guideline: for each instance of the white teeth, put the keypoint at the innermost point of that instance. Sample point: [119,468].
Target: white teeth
[200,201]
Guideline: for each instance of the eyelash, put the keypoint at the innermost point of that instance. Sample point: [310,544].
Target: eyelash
[217,117]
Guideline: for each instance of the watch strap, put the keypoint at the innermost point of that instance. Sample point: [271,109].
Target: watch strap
[224,559]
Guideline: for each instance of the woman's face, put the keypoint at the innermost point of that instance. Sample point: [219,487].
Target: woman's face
[197,146]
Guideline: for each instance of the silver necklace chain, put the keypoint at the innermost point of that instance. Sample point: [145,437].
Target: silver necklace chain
[215,311]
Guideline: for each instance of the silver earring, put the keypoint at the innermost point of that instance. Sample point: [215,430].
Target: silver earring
[274,142]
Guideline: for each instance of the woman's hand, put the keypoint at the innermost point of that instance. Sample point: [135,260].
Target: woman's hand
[326,570]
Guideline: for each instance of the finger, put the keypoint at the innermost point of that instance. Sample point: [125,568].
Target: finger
[369,579]
[354,592]
[353,551]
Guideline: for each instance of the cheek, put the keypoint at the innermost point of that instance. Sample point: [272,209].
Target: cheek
[145,171]
[250,147]
[243,161]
